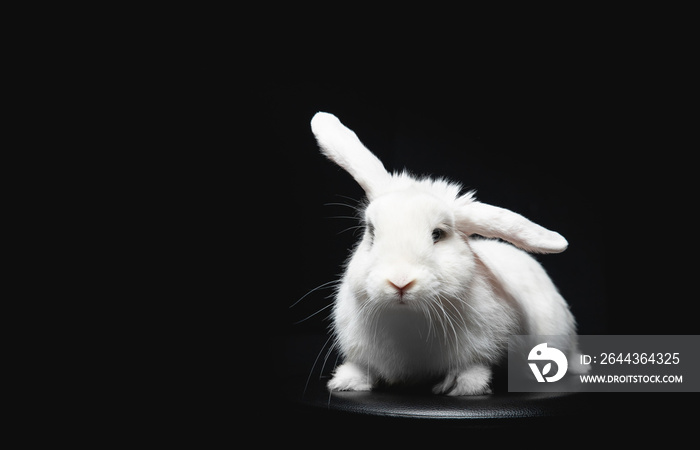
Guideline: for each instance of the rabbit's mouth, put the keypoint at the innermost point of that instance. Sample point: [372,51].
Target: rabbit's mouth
[399,301]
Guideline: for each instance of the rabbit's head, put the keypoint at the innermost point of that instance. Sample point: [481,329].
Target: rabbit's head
[416,240]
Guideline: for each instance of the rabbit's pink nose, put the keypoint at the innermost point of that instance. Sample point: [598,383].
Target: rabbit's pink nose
[401,286]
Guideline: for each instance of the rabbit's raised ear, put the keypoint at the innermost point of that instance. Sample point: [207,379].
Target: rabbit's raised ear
[342,146]
[491,221]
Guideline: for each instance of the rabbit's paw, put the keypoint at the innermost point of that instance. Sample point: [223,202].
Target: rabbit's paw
[350,377]
[472,381]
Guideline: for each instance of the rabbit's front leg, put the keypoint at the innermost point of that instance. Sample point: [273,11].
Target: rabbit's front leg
[350,377]
[471,381]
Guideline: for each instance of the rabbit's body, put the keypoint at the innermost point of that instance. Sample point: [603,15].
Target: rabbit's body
[420,300]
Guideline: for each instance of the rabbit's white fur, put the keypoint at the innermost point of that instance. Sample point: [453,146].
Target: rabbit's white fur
[412,307]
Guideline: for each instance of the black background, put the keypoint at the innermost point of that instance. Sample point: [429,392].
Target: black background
[590,138]
[593,145]
[220,191]
[586,131]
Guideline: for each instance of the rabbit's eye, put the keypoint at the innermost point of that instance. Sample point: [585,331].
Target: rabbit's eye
[438,234]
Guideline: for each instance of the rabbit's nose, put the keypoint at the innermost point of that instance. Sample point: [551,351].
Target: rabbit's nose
[401,285]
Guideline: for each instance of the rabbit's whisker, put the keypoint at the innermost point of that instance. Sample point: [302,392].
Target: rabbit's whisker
[324,285]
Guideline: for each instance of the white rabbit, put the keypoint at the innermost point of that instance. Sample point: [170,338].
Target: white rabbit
[423,301]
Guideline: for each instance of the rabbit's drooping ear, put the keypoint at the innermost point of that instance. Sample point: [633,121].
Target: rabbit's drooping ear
[494,222]
[342,146]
